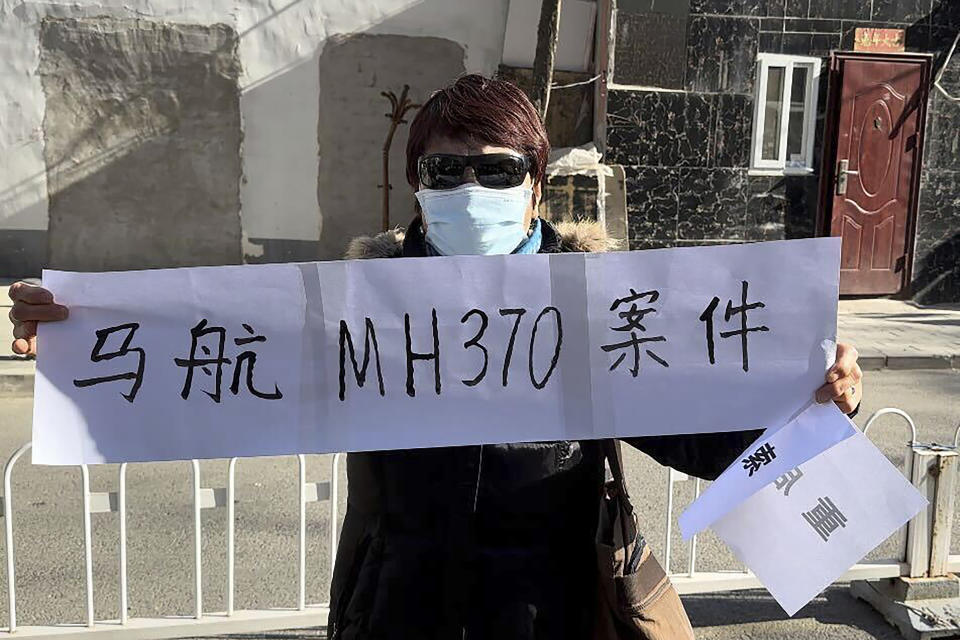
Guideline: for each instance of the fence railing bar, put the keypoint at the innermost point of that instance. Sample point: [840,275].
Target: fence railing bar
[908,466]
[8,532]
[717,581]
[668,533]
[898,412]
[172,626]
[87,543]
[691,582]
[692,565]
[231,492]
[302,557]
[122,509]
[197,575]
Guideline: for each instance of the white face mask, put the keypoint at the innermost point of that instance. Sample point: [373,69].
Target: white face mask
[475,220]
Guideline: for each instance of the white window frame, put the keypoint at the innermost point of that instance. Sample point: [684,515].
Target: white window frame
[758,165]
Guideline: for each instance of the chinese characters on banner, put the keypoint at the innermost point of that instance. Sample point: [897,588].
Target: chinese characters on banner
[774,459]
[386,354]
[803,531]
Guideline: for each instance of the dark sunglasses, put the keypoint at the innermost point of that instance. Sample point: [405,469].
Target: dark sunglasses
[493,170]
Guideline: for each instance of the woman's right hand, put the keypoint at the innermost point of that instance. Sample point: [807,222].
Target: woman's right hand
[31,304]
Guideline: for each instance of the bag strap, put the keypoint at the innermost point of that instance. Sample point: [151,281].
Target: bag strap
[611,451]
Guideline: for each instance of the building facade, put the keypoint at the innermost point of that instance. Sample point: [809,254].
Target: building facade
[155,134]
[758,120]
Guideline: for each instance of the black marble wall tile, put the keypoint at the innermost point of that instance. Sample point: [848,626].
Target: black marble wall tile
[652,204]
[810,44]
[640,245]
[938,210]
[707,242]
[900,10]
[712,204]
[936,271]
[733,127]
[634,6]
[672,7]
[821,44]
[802,194]
[941,39]
[771,24]
[728,7]
[622,106]
[797,8]
[770,42]
[942,136]
[659,128]
[766,209]
[721,54]
[811,25]
[624,146]
[650,50]
[945,13]
[950,80]
[918,37]
[772,8]
[846,9]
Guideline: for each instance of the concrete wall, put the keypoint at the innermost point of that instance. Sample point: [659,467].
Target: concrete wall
[279,50]
[353,127]
[142,143]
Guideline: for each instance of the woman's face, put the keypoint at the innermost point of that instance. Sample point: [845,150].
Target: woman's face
[464,148]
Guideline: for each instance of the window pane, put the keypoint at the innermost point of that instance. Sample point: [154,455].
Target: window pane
[798,98]
[772,110]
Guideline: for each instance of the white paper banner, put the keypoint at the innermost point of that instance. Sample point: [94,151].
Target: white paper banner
[800,534]
[386,354]
[817,428]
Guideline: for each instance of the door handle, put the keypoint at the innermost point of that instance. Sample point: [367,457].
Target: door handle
[842,173]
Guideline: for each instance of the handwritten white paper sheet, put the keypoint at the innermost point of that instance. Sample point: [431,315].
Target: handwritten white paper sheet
[96,423]
[387,354]
[801,534]
[816,429]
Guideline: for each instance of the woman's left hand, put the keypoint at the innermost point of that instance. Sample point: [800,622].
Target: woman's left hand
[844,380]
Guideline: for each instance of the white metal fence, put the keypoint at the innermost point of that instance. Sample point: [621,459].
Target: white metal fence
[925,540]
[202,622]
[924,550]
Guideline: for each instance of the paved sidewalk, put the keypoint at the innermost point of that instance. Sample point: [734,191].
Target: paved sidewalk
[889,334]
[893,334]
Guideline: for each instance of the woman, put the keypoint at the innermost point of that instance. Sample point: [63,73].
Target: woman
[478,541]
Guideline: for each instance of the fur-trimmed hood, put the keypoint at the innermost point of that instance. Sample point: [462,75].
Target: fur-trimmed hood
[585,236]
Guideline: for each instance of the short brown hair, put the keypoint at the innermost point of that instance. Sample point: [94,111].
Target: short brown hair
[480,109]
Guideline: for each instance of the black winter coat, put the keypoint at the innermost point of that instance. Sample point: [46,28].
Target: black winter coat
[484,542]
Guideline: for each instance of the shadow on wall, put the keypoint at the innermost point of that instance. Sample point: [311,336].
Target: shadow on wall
[143,139]
[352,127]
[337,196]
[142,143]
[937,277]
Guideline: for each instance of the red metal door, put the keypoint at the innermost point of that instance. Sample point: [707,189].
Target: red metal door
[876,169]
